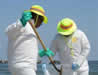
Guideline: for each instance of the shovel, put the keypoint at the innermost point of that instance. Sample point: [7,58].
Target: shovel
[50,58]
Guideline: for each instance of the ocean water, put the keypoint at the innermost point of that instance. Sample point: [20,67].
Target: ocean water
[93,69]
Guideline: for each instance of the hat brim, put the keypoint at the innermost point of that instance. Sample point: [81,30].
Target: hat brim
[68,31]
[45,18]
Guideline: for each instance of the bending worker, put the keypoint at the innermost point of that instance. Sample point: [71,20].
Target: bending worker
[23,43]
[73,48]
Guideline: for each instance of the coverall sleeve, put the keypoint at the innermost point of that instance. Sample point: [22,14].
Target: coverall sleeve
[53,46]
[85,49]
[14,29]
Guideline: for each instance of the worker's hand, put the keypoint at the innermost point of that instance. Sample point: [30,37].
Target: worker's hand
[46,53]
[26,16]
[75,67]
[44,67]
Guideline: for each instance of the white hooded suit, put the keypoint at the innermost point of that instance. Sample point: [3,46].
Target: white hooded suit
[74,48]
[22,49]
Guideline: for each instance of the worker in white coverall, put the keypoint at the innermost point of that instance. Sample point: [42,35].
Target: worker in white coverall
[73,48]
[23,43]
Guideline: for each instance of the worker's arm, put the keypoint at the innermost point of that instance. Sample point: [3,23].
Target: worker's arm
[85,49]
[14,29]
[53,46]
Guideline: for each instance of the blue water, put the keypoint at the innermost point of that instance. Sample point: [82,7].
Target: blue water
[93,69]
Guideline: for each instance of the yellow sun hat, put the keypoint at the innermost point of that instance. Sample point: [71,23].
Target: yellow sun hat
[40,11]
[66,26]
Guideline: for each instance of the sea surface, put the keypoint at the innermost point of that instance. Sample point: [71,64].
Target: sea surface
[93,69]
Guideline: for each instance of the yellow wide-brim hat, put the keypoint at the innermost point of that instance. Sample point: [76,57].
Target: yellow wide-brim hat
[40,11]
[66,26]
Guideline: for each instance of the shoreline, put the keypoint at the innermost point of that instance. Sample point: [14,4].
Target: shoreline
[3,61]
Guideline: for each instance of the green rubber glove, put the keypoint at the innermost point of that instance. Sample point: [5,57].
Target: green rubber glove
[26,16]
[41,53]
[46,53]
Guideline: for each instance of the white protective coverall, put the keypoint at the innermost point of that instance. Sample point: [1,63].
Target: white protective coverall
[22,49]
[80,48]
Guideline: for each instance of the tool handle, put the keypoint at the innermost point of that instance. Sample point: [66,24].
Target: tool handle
[50,58]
